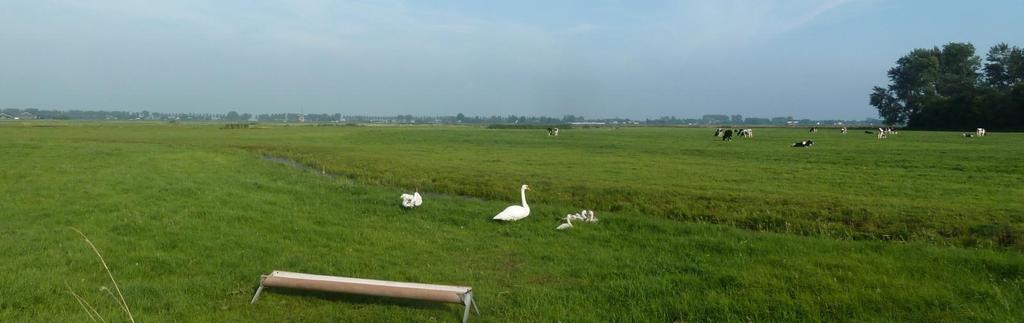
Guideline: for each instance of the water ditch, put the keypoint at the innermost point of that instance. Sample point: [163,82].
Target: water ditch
[300,166]
[348,180]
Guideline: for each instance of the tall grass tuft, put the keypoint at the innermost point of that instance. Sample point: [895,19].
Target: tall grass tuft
[89,310]
[123,304]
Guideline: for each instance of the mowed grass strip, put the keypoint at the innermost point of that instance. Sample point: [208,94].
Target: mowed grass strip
[916,186]
[188,227]
[921,186]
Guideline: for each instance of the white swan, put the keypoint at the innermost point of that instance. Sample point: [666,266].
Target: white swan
[576,216]
[585,216]
[412,200]
[566,225]
[515,212]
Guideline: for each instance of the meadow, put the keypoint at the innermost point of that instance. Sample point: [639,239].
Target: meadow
[924,226]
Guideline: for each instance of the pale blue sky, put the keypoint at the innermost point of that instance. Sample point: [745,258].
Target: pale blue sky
[805,58]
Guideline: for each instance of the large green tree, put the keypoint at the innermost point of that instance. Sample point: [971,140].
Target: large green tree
[1005,66]
[950,88]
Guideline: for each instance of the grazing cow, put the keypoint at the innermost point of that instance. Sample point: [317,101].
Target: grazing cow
[552,131]
[980,132]
[843,130]
[718,132]
[727,135]
[814,129]
[803,144]
[968,134]
[887,131]
[746,133]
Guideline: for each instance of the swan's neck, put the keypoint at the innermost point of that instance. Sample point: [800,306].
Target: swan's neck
[523,193]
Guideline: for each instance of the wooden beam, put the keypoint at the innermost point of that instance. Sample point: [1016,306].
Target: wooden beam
[428,292]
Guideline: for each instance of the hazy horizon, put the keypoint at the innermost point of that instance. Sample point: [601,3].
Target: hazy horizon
[806,58]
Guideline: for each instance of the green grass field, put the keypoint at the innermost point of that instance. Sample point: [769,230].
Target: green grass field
[924,226]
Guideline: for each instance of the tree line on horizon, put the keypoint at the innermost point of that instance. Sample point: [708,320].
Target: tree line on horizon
[952,88]
[233,116]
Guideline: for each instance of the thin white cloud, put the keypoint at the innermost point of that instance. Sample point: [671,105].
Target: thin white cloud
[726,23]
[581,29]
[813,14]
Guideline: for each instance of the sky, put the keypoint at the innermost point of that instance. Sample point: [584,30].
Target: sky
[599,58]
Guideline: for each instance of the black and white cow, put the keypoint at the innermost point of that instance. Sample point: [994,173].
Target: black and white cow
[980,132]
[746,133]
[552,131]
[718,132]
[843,130]
[814,129]
[968,134]
[727,135]
[803,144]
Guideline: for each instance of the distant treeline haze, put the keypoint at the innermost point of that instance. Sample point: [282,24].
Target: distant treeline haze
[951,88]
[233,116]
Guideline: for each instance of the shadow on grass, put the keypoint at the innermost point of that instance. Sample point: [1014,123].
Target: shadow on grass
[353,298]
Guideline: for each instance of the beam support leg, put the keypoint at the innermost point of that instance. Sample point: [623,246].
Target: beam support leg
[257,295]
[474,306]
[467,301]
